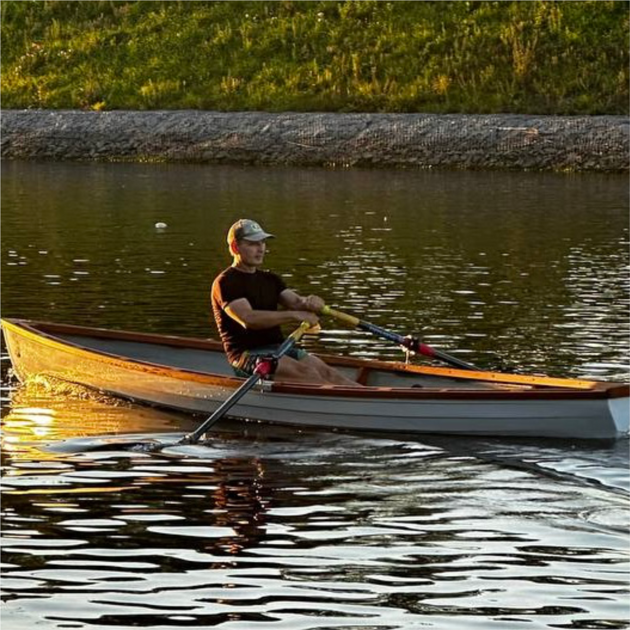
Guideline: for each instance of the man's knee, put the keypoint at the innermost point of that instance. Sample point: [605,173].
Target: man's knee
[290,369]
[320,367]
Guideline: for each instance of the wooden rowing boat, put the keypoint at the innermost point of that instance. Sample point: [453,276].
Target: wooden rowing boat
[192,375]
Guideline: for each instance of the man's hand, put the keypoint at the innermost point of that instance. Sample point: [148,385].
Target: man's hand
[305,316]
[292,301]
[314,303]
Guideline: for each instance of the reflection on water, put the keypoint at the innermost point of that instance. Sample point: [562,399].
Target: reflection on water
[300,529]
[46,410]
[303,529]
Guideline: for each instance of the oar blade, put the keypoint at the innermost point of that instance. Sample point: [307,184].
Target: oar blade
[135,442]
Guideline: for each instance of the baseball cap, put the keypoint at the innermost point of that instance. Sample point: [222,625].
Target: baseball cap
[247,229]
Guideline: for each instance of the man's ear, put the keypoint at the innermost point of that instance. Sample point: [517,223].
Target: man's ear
[234,248]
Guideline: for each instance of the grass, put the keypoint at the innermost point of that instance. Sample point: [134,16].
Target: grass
[540,57]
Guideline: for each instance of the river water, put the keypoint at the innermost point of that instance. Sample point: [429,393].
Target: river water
[269,527]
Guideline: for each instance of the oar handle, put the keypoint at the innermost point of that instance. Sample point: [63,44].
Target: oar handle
[343,317]
[267,366]
[298,333]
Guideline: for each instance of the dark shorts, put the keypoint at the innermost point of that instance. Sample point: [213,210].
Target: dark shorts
[246,363]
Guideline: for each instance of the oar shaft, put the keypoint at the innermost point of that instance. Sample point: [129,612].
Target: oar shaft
[448,358]
[194,436]
[381,332]
[407,342]
[343,317]
[262,369]
[363,325]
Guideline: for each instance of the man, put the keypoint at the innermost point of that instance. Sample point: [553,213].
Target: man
[245,303]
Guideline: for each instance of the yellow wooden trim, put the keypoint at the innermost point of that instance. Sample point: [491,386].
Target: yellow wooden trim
[46,339]
[496,377]
[500,377]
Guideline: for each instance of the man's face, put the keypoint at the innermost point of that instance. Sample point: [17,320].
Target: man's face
[252,252]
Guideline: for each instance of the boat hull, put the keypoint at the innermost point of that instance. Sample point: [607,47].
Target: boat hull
[510,410]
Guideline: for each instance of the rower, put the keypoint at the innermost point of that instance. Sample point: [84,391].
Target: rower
[245,300]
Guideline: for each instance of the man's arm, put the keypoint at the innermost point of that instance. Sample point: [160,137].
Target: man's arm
[293,301]
[241,311]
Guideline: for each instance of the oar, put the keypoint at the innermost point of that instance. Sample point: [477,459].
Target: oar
[265,367]
[409,342]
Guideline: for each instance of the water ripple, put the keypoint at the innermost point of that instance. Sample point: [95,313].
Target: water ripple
[355,532]
[304,530]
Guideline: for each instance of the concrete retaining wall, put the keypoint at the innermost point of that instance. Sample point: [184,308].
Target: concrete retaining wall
[580,143]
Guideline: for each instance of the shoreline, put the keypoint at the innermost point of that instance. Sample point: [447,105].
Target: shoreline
[414,141]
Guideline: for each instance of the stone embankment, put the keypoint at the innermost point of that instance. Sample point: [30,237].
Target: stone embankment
[454,141]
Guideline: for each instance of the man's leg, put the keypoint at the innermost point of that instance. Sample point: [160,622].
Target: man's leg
[327,373]
[310,369]
[298,372]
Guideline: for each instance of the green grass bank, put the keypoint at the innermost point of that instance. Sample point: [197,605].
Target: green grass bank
[565,58]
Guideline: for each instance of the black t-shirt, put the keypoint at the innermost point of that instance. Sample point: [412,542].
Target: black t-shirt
[262,290]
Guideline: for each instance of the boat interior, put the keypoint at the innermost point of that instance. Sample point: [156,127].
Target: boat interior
[206,357]
[211,360]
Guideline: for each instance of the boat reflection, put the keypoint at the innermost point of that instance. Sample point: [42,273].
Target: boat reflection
[43,411]
[213,495]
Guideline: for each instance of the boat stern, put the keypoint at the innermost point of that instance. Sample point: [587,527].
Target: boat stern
[619,409]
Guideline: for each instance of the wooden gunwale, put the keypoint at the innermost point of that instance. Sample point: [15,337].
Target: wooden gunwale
[547,388]
[37,334]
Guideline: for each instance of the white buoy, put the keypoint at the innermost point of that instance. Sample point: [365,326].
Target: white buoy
[160,226]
